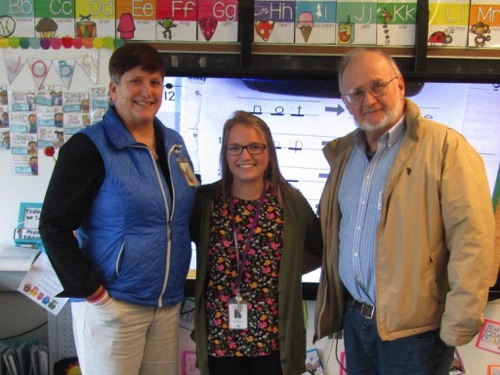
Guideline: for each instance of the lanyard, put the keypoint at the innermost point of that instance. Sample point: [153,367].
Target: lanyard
[241,265]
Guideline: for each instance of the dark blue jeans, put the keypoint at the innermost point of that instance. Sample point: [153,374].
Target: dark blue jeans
[367,354]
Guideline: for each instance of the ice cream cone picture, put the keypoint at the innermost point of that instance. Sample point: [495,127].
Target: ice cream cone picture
[305,24]
[264,29]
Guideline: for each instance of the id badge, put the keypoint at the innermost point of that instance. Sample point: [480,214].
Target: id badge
[238,314]
[187,171]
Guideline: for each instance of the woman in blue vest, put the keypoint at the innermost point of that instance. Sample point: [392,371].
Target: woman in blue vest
[126,187]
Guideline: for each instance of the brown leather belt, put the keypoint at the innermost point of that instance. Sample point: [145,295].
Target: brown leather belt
[366,310]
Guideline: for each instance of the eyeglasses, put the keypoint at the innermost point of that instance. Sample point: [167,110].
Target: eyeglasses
[252,148]
[375,88]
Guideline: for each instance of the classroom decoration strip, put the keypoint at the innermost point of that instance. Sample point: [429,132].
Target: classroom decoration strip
[39,67]
[58,43]
[106,23]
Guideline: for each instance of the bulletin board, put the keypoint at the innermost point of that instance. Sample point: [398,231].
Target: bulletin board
[28,75]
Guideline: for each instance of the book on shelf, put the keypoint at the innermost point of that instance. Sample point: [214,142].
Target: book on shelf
[23,358]
[22,354]
[3,365]
[10,360]
[39,360]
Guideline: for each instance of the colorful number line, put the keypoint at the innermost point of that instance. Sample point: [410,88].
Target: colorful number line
[58,43]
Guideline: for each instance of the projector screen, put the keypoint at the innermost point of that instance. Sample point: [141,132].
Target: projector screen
[305,114]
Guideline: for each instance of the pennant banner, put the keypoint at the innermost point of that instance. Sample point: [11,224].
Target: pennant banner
[14,64]
[90,64]
[39,70]
[65,69]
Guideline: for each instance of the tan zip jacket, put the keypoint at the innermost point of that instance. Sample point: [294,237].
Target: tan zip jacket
[434,246]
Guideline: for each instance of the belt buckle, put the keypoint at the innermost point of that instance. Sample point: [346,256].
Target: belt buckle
[371,309]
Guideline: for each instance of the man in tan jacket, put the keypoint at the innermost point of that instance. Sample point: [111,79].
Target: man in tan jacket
[408,229]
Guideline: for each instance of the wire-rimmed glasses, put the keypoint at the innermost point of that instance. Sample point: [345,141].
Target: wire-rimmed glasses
[376,88]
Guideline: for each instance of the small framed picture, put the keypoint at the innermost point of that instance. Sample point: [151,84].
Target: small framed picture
[313,362]
[26,233]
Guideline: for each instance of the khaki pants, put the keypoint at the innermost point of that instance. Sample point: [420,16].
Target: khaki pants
[124,339]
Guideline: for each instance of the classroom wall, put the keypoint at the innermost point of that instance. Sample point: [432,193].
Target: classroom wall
[13,188]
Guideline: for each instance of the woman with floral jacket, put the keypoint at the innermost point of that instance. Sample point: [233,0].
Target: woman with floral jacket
[255,236]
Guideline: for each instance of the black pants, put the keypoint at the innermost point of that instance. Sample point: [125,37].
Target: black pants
[268,365]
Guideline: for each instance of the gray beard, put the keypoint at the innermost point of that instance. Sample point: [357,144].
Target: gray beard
[386,123]
[366,127]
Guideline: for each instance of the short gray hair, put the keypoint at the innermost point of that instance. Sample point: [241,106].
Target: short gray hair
[348,57]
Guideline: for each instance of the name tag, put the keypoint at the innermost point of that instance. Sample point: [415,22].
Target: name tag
[238,314]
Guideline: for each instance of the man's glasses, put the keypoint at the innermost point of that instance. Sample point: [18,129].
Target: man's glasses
[252,148]
[375,88]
